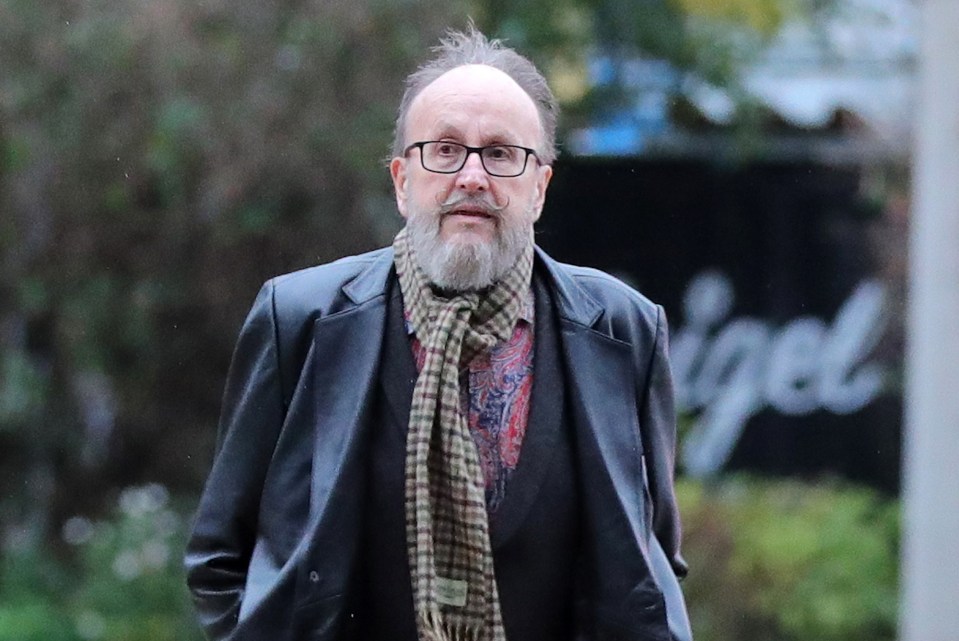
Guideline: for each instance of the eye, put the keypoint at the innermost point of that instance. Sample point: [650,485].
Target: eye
[447,149]
[500,153]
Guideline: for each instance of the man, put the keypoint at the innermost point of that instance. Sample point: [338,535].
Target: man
[455,437]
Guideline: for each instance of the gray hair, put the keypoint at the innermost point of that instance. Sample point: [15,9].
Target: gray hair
[457,49]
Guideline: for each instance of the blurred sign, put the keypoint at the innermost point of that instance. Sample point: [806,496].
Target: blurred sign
[782,331]
[729,369]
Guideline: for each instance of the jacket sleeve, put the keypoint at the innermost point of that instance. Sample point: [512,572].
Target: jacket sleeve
[659,435]
[224,532]
[659,445]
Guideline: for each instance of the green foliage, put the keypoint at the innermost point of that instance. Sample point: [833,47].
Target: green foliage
[790,561]
[21,389]
[158,161]
[771,560]
[704,40]
[121,581]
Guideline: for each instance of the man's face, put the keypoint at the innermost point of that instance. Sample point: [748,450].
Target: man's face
[467,229]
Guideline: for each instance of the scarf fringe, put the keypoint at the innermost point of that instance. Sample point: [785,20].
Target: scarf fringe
[434,628]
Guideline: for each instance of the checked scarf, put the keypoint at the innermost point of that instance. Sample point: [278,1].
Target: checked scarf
[447,527]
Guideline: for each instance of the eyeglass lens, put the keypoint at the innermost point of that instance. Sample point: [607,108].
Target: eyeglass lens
[498,160]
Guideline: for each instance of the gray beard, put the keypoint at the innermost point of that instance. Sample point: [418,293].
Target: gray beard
[462,267]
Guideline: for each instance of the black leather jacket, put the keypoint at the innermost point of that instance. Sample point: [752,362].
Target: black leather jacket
[274,544]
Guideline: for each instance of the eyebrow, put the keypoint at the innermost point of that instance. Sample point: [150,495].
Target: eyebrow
[449,130]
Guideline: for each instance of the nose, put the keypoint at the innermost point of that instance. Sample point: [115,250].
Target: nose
[472,177]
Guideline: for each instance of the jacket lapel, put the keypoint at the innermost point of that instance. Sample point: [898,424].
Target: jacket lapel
[344,362]
[601,385]
[347,351]
[603,406]
[596,375]
[601,388]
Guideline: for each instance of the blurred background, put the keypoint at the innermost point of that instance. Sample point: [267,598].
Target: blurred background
[744,162]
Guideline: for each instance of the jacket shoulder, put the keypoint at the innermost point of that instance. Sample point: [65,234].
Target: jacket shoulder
[295,301]
[319,290]
[620,300]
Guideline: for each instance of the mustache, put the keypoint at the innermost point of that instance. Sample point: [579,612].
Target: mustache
[484,201]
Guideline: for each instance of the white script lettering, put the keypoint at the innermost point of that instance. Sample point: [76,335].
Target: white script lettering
[729,373]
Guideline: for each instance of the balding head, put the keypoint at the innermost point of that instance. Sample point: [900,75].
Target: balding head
[459,49]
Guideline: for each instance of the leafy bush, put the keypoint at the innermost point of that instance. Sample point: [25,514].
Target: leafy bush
[771,561]
[158,161]
[123,580]
[790,561]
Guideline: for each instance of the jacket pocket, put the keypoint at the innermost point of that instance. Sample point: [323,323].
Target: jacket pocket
[641,618]
[322,619]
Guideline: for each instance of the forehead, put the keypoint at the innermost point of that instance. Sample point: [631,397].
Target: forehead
[477,103]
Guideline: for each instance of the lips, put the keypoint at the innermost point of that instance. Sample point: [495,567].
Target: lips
[471,213]
[471,208]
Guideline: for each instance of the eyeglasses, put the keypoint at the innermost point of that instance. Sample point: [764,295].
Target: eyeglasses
[444,157]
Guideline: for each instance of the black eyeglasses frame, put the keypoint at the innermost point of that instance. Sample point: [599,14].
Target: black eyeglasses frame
[472,150]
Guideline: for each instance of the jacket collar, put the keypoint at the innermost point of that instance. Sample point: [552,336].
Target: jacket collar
[372,280]
[572,301]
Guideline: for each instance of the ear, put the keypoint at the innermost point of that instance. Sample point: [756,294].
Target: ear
[543,175]
[398,174]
